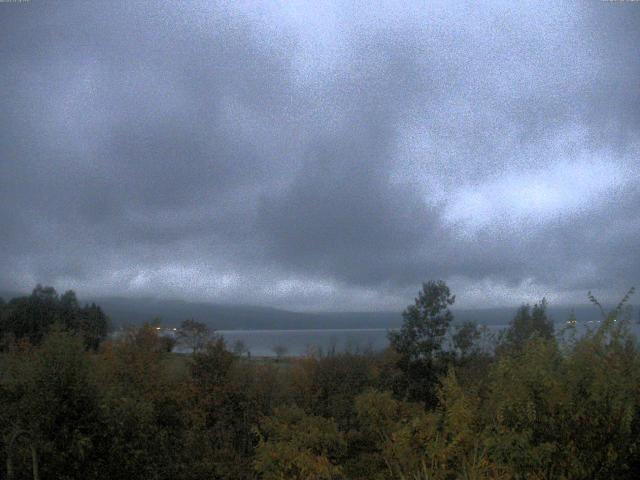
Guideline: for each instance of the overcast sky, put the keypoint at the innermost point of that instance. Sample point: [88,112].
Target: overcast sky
[321,156]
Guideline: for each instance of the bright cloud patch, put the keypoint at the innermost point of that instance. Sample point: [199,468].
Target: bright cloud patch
[563,189]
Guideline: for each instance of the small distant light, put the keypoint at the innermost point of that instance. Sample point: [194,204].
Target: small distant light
[157,328]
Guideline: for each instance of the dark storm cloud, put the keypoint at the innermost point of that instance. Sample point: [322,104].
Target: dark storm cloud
[320,157]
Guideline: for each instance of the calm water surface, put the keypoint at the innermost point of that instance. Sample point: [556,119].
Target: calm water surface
[300,342]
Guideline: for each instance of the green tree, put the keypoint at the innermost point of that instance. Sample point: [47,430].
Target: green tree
[571,415]
[210,367]
[327,385]
[51,407]
[528,323]
[297,446]
[526,399]
[194,335]
[93,326]
[421,339]
[465,339]
[396,433]
[30,318]
[144,410]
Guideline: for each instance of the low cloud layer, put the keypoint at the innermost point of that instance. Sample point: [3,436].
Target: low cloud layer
[321,157]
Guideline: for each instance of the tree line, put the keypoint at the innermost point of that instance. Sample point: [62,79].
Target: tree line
[443,401]
[30,318]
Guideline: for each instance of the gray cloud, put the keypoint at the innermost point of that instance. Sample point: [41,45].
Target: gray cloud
[320,157]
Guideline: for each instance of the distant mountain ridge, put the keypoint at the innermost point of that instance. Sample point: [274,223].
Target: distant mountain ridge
[240,317]
[135,311]
[124,311]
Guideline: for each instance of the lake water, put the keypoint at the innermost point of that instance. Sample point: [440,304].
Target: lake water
[261,343]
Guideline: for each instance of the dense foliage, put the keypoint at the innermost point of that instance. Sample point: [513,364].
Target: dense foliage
[442,402]
[31,318]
